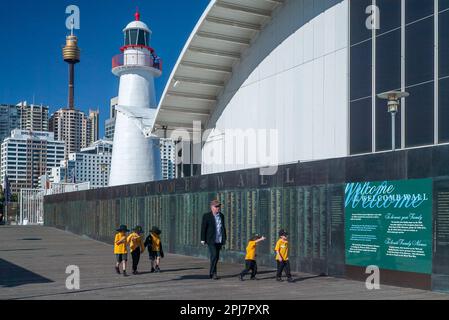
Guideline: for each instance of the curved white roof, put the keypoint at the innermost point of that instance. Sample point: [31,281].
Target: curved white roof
[137,25]
[225,30]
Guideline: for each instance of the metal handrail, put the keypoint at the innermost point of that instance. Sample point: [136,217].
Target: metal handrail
[136,59]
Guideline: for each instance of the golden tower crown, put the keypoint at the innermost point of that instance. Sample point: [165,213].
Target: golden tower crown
[71,52]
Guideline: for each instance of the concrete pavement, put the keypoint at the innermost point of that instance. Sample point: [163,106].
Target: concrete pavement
[33,262]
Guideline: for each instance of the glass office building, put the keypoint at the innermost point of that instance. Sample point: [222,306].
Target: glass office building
[9,120]
[408,51]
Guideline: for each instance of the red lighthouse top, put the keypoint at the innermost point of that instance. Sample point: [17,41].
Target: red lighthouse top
[137,36]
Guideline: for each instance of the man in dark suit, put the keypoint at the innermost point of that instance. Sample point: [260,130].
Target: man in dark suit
[213,233]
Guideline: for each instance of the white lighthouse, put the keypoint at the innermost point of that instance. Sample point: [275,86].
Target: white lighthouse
[136,153]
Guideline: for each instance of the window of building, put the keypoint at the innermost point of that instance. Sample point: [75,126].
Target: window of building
[142,38]
[361,73]
[443,35]
[418,9]
[443,114]
[420,52]
[420,115]
[443,5]
[361,126]
[359,32]
[131,37]
[390,15]
[388,61]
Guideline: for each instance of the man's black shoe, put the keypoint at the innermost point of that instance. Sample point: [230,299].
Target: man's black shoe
[241,278]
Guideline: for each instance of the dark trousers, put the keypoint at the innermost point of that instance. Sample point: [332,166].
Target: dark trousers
[136,258]
[283,266]
[250,265]
[214,251]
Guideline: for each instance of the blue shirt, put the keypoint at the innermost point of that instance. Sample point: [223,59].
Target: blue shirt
[218,236]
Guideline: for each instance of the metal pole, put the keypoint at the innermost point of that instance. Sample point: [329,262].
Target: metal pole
[71,102]
[21,206]
[393,131]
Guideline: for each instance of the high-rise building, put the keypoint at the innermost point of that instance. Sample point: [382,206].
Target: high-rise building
[113,108]
[92,165]
[9,120]
[27,155]
[168,159]
[99,147]
[110,123]
[94,119]
[22,116]
[33,117]
[73,127]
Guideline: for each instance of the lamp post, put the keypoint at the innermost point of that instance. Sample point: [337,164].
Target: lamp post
[393,98]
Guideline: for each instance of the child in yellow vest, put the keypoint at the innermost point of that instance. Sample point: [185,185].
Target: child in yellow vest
[282,256]
[155,251]
[136,246]
[250,259]
[120,251]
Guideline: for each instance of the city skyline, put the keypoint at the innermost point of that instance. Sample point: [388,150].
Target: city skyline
[46,79]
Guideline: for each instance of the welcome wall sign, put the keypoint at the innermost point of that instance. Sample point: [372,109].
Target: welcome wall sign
[389,224]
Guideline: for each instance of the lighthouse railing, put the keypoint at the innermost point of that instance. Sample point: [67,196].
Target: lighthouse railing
[136,59]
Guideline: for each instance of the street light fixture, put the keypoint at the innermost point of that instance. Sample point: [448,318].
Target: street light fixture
[393,98]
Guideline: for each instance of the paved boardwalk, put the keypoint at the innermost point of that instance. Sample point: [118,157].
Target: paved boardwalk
[33,262]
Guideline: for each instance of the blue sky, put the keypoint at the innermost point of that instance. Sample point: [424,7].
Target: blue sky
[33,32]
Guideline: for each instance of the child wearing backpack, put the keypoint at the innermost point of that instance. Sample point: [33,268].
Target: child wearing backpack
[155,251]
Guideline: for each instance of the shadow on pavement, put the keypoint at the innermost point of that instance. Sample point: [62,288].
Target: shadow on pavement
[192,277]
[173,270]
[15,250]
[12,275]
[273,272]
[206,276]
[258,273]
[307,278]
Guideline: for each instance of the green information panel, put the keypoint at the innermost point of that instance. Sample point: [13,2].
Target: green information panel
[389,224]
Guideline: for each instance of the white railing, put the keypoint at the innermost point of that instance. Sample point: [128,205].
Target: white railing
[58,188]
[31,202]
[136,59]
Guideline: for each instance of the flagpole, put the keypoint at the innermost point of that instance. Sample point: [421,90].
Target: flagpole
[7,196]
[5,203]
